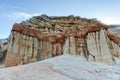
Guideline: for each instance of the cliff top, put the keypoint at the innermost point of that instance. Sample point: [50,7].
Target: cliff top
[67,21]
[64,26]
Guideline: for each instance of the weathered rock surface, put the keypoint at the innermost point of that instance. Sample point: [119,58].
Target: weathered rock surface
[98,46]
[3,49]
[114,28]
[43,37]
[63,67]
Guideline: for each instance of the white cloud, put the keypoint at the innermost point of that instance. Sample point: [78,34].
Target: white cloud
[108,17]
[109,20]
[21,15]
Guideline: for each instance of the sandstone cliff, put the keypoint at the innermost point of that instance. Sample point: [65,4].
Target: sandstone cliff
[43,37]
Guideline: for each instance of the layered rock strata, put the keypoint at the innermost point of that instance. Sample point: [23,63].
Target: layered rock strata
[43,37]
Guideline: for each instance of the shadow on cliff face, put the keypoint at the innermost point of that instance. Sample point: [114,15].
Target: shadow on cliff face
[3,51]
[2,57]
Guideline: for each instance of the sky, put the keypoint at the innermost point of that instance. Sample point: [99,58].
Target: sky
[15,11]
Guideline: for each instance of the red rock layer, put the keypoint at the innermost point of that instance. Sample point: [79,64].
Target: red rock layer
[56,37]
[114,37]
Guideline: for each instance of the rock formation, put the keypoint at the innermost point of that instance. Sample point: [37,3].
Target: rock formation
[43,37]
[114,28]
[3,49]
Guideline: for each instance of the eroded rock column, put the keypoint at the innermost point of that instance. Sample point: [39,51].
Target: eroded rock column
[66,47]
[13,59]
[72,45]
[97,44]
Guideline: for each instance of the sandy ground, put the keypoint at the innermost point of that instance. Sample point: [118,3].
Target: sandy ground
[62,68]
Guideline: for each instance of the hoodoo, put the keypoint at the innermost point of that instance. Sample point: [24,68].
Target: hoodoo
[44,37]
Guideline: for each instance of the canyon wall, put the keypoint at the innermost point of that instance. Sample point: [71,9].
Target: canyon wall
[44,37]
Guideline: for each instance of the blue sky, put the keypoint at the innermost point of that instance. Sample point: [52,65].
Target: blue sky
[15,11]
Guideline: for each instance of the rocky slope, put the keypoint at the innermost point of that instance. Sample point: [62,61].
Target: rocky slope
[65,67]
[115,28]
[43,37]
